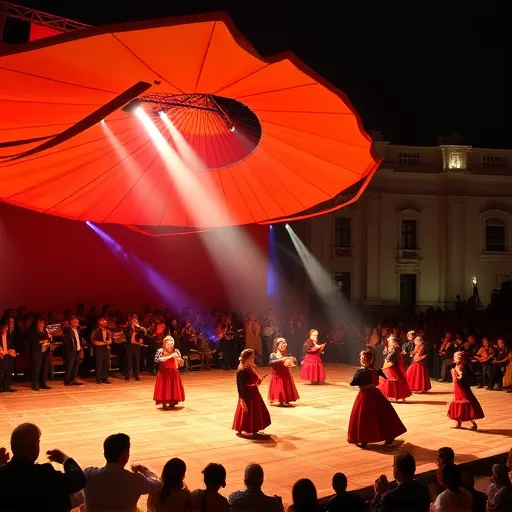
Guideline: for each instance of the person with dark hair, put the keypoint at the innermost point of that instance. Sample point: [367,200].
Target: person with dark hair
[114,488]
[72,349]
[173,495]
[27,486]
[7,355]
[479,498]
[373,418]
[312,369]
[465,406]
[445,455]
[209,499]
[38,341]
[499,493]
[455,497]
[395,386]
[252,498]
[251,415]
[343,501]
[304,496]
[408,496]
[282,386]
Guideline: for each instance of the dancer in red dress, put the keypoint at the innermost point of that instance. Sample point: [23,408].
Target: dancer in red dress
[251,414]
[312,370]
[373,418]
[168,386]
[417,374]
[465,406]
[282,387]
[395,386]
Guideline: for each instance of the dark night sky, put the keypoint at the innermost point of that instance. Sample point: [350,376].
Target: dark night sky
[414,69]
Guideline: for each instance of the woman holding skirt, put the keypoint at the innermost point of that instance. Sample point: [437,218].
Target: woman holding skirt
[373,418]
[417,374]
[282,387]
[312,369]
[395,386]
[465,406]
[168,386]
[251,413]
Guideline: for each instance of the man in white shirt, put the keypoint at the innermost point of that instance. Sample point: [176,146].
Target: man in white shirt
[113,488]
[72,345]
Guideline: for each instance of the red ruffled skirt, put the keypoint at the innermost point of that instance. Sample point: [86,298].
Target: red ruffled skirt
[373,419]
[256,417]
[168,386]
[395,386]
[465,406]
[418,378]
[312,368]
[282,386]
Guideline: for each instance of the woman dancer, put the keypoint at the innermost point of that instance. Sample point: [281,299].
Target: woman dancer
[312,370]
[417,374]
[373,418]
[465,406]
[168,386]
[395,386]
[282,387]
[251,414]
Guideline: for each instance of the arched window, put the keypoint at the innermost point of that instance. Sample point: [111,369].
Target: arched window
[495,234]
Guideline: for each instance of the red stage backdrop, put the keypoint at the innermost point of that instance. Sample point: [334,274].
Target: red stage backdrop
[52,263]
[40,32]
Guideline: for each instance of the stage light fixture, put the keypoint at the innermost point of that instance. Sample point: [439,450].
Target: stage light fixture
[131,107]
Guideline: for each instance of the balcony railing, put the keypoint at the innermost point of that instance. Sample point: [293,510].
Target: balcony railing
[342,252]
[409,255]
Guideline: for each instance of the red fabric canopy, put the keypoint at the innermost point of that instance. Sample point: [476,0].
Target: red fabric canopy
[289,142]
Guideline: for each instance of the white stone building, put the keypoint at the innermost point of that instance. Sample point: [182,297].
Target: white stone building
[433,221]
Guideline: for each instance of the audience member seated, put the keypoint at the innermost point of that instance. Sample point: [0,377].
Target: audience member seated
[27,486]
[408,496]
[209,499]
[113,487]
[455,498]
[304,497]
[479,498]
[509,464]
[343,500]
[173,495]
[499,493]
[445,455]
[252,499]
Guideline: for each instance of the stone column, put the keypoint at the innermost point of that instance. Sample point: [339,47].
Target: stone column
[373,234]
[456,248]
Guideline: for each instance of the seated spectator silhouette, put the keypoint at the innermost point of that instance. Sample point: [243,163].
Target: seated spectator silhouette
[408,496]
[252,499]
[27,486]
[445,455]
[173,495]
[209,499]
[304,496]
[455,498]
[113,487]
[479,498]
[499,493]
[343,500]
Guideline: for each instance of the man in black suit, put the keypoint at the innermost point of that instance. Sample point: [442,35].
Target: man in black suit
[72,345]
[7,355]
[408,496]
[25,485]
[39,346]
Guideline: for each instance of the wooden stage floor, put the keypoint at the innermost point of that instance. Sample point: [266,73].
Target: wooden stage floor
[308,440]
